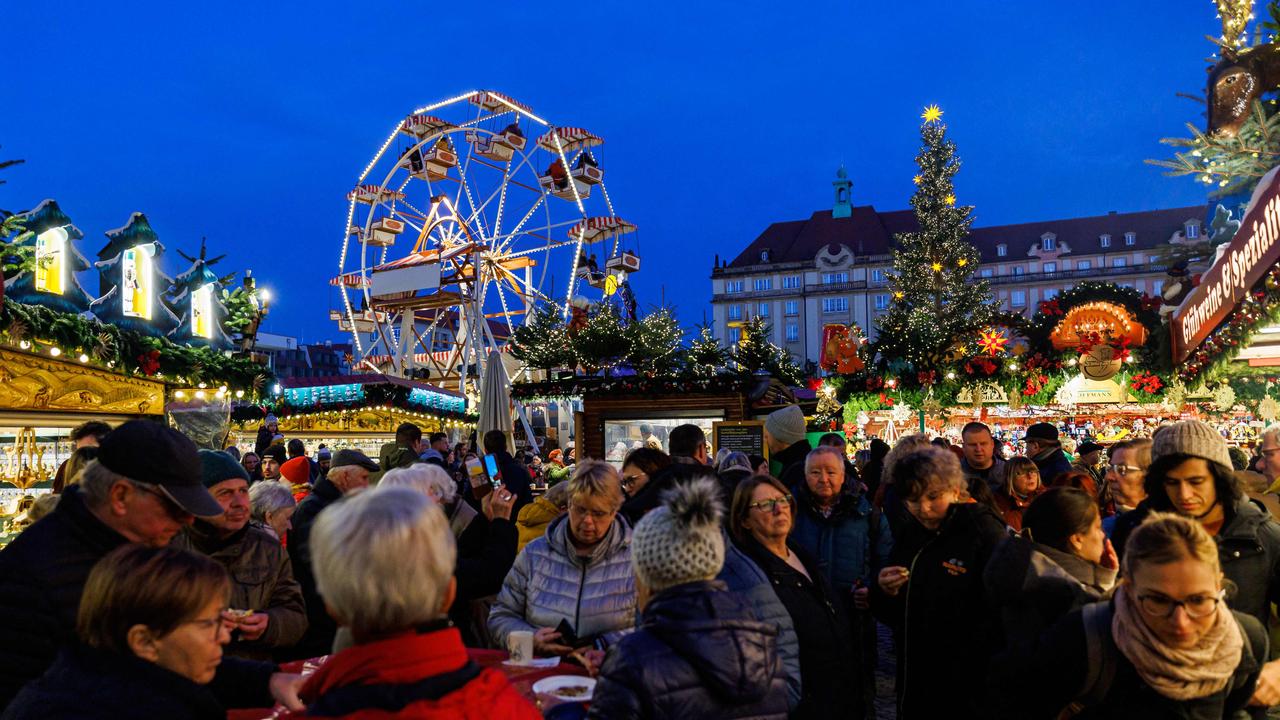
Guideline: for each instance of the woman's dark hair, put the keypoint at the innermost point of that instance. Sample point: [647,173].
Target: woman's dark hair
[1224,482]
[648,459]
[1057,514]
[741,506]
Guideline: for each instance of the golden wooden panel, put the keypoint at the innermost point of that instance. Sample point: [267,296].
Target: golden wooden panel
[33,382]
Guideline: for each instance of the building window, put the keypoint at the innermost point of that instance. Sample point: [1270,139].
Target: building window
[793,332]
[764,310]
[1049,293]
[1104,241]
[1157,287]
[1193,230]
[985,272]
[764,255]
[1002,250]
[762,284]
[1119,262]
[877,275]
[835,305]
[1084,265]
[735,312]
[791,282]
[1048,243]
[1016,270]
[1130,238]
[1050,267]
[1018,298]
[1153,259]
[834,278]
[1127,285]
[735,335]
[882,302]
[733,286]
[792,308]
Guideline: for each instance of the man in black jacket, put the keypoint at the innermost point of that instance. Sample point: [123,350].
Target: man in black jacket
[1045,450]
[688,446]
[348,473]
[515,476]
[44,570]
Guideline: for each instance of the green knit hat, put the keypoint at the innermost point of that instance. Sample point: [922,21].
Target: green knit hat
[216,466]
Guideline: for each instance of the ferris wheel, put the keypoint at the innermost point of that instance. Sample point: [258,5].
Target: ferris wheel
[471,214]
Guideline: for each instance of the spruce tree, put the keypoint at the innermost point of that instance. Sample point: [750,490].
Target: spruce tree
[543,341]
[936,301]
[655,343]
[754,353]
[705,357]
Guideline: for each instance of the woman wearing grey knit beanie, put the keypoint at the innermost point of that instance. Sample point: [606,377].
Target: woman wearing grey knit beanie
[1191,475]
[698,651]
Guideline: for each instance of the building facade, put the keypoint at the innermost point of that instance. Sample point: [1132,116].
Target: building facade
[800,275]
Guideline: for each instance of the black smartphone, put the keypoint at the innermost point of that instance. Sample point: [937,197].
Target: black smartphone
[567,635]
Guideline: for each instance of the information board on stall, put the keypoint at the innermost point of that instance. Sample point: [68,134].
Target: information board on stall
[744,436]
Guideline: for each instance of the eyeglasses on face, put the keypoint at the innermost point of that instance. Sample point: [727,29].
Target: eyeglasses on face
[1123,469]
[770,506]
[175,512]
[629,480]
[1196,606]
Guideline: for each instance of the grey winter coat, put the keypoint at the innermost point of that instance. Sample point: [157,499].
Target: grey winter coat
[550,583]
[261,580]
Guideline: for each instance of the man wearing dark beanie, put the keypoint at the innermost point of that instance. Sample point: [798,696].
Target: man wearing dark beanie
[266,601]
[1045,450]
[1191,475]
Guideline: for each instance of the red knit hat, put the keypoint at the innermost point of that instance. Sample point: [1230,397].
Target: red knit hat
[297,471]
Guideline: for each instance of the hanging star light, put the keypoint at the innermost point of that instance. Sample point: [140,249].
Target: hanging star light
[962,262]
[950,200]
[933,113]
[917,180]
[993,342]
[937,267]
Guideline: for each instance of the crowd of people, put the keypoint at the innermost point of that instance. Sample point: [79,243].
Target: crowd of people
[1136,580]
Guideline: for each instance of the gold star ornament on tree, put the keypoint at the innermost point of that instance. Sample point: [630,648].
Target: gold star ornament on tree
[917,180]
[950,200]
[933,113]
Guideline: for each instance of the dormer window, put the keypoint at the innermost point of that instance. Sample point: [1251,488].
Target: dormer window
[1193,230]
[1104,241]
[1130,238]
[764,255]
[1048,243]
[1002,250]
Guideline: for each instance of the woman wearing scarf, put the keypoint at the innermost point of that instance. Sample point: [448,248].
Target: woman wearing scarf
[1164,646]
[1021,485]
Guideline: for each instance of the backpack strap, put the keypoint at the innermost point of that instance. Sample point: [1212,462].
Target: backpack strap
[1101,651]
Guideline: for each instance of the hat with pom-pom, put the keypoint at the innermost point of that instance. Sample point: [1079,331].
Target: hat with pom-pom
[680,541]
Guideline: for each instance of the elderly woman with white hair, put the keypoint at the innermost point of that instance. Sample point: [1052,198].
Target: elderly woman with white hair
[407,660]
[573,587]
[486,542]
[931,591]
[271,506]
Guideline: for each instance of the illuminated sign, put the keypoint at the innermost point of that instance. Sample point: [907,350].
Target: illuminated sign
[51,261]
[136,280]
[202,312]
[324,394]
[1253,251]
[437,400]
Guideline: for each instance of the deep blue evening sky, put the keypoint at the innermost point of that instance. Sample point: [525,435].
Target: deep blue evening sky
[249,124]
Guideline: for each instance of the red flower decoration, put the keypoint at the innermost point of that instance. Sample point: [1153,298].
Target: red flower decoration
[875,382]
[149,362]
[814,384]
[927,377]
[886,400]
[1051,307]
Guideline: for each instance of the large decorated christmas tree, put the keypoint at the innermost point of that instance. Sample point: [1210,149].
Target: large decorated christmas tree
[936,301]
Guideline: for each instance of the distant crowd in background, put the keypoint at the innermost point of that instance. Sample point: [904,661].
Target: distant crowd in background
[1135,580]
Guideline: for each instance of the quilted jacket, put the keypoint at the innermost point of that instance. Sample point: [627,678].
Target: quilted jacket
[550,583]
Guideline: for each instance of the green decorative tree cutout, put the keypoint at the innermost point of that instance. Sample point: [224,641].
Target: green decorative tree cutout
[543,340]
[755,353]
[655,343]
[936,299]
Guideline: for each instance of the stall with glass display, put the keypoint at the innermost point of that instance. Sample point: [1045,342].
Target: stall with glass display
[613,425]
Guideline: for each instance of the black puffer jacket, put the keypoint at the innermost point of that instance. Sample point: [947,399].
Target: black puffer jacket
[89,684]
[650,496]
[318,639]
[698,652]
[941,618]
[790,462]
[1248,548]
[1055,676]
[828,656]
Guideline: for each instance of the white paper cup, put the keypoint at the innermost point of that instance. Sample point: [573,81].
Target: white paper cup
[520,647]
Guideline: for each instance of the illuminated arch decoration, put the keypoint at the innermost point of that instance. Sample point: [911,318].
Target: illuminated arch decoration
[1107,320]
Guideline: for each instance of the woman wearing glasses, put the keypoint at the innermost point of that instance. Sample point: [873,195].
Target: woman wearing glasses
[761,521]
[1165,646]
[150,635]
[1126,476]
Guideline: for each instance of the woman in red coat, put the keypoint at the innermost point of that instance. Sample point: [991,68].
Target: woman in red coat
[1021,486]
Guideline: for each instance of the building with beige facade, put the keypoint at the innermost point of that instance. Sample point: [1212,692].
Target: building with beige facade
[831,267]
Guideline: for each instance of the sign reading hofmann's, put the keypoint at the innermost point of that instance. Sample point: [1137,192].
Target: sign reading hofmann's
[1252,252]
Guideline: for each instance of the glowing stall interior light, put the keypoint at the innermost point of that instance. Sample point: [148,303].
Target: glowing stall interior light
[202,312]
[137,278]
[51,261]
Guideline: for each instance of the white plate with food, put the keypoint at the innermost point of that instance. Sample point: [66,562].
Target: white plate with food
[570,688]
